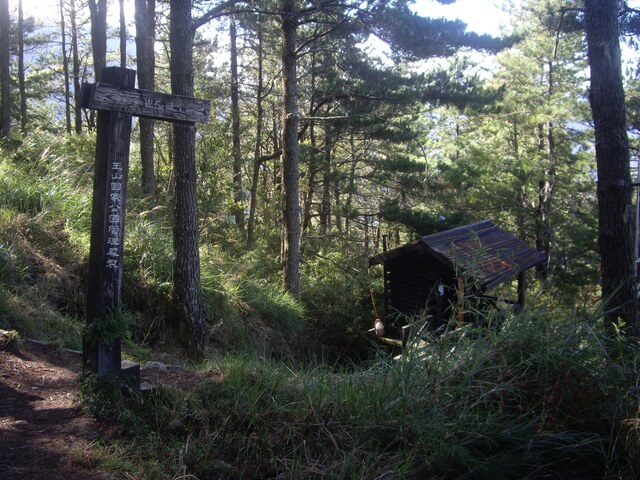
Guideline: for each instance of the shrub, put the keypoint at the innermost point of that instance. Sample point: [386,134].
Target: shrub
[336,295]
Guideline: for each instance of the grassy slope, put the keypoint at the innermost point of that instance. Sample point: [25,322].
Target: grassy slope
[545,397]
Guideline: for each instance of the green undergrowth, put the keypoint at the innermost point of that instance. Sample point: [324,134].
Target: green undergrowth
[45,216]
[541,398]
[546,396]
[34,318]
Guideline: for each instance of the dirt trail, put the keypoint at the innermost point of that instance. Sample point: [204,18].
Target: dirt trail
[43,432]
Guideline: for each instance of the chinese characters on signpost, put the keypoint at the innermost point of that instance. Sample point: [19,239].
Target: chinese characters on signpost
[116,217]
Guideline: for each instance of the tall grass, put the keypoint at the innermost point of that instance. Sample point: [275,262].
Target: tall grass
[542,398]
[335,290]
[249,312]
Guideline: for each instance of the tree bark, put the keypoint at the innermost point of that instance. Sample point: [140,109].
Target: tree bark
[546,186]
[312,171]
[76,68]
[235,126]
[5,78]
[146,62]
[612,155]
[123,37]
[65,69]
[22,85]
[352,188]
[186,269]
[98,35]
[325,207]
[253,189]
[290,150]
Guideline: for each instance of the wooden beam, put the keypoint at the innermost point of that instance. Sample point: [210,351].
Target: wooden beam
[144,103]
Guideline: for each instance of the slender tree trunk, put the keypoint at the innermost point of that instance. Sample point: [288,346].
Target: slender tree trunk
[145,14]
[65,68]
[255,177]
[366,235]
[98,35]
[123,37]
[325,207]
[186,269]
[612,155]
[290,150]
[308,198]
[521,194]
[338,204]
[352,189]
[5,78]
[273,195]
[253,192]
[76,68]
[235,126]
[24,119]
[546,186]
[312,171]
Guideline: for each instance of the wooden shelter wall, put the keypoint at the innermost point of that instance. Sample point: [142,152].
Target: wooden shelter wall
[413,282]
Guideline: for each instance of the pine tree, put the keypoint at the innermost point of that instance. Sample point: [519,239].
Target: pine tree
[5,75]
[612,154]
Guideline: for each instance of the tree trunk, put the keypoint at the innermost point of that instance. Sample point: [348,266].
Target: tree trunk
[325,206]
[145,14]
[123,37]
[24,119]
[253,189]
[76,68]
[352,188]
[186,269]
[308,198]
[521,193]
[337,211]
[5,78]
[546,186]
[98,35]
[235,126]
[309,194]
[612,155]
[65,69]
[290,150]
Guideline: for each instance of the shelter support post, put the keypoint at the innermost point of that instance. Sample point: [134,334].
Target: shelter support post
[460,293]
[522,290]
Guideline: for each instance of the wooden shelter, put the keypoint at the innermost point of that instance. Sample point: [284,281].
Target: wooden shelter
[448,273]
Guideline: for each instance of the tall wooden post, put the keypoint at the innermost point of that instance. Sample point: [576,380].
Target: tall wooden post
[116,101]
[107,222]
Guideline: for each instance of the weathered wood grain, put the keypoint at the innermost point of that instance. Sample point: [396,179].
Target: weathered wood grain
[144,103]
[107,225]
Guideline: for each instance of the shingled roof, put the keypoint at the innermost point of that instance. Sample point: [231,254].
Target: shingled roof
[480,250]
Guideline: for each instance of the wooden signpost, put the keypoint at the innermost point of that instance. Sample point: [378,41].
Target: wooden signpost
[117,101]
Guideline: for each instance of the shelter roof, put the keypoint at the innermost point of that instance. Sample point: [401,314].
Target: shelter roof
[480,251]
